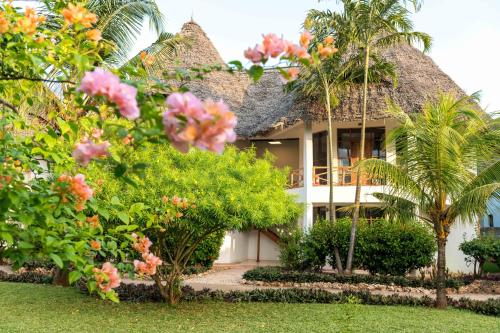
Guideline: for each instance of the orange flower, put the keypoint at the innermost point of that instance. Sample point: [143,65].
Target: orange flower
[40,39]
[164,199]
[179,215]
[77,14]
[326,51]
[329,40]
[128,139]
[94,34]
[146,58]
[4,23]
[29,22]
[93,221]
[95,245]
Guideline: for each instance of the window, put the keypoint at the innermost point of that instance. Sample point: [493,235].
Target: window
[491,223]
[319,213]
[348,150]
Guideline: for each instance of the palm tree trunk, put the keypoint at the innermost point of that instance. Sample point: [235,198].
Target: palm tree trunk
[441,301]
[357,195]
[331,208]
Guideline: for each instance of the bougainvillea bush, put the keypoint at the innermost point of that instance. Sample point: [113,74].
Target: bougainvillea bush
[61,109]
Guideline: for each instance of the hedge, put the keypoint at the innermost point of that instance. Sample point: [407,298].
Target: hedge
[279,274]
[145,293]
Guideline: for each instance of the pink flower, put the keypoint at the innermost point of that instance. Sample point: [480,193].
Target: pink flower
[99,83]
[107,277]
[273,45]
[291,74]
[149,265]
[125,97]
[207,125]
[255,55]
[97,133]
[305,39]
[87,150]
[103,83]
[141,244]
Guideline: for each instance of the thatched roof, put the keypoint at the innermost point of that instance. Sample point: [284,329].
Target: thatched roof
[262,106]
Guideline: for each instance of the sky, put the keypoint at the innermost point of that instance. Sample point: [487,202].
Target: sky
[466,34]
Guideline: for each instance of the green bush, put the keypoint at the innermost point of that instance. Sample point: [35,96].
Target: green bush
[480,250]
[382,247]
[395,248]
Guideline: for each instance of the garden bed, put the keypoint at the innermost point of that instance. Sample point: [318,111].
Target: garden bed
[278,277]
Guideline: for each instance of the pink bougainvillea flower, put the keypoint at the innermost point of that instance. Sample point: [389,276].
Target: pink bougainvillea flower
[125,97]
[206,125]
[149,265]
[103,83]
[329,40]
[326,51]
[273,45]
[255,55]
[78,188]
[87,150]
[107,277]
[141,244]
[305,39]
[97,133]
[99,82]
[291,74]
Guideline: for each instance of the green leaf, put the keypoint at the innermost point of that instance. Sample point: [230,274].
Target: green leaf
[7,237]
[136,208]
[123,216]
[25,245]
[74,276]
[120,170]
[237,64]
[58,261]
[115,201]
[256,72]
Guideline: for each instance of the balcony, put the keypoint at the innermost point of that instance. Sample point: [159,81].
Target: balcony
[344,176]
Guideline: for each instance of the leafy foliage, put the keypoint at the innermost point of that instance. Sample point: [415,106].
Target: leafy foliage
[384,247]
[480,250]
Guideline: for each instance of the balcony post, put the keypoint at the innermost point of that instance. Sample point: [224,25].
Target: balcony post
[308,175]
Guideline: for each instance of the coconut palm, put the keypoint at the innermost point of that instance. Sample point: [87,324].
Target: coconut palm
[371,26]
[438,152]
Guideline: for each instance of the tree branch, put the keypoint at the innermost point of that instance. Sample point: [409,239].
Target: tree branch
[9,105]
[34,79]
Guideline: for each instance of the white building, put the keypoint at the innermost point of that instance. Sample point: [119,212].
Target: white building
[295,132]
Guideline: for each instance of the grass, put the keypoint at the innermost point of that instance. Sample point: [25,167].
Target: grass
[42,308]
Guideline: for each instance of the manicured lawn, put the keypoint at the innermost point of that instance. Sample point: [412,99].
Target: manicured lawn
[37,308]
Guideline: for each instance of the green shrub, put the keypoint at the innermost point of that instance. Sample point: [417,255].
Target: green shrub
[480,250]
[382,247]
[395,248]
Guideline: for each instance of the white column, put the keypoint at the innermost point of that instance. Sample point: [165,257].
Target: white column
[308,175]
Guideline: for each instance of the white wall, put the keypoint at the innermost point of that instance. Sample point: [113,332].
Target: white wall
[455,259]
[234,248]
[269,250]
[242,246]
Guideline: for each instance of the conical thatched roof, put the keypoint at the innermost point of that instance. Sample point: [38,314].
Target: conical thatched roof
[263,106]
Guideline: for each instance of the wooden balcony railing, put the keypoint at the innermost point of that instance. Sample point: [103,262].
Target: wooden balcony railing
[344,177]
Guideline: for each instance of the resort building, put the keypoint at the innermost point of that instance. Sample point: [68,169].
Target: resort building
[295,132]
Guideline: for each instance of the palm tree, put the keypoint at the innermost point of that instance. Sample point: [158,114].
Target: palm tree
[326,81]
[438,152]
[373,25]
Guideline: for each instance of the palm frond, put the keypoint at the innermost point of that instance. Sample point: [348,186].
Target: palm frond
[121,21]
